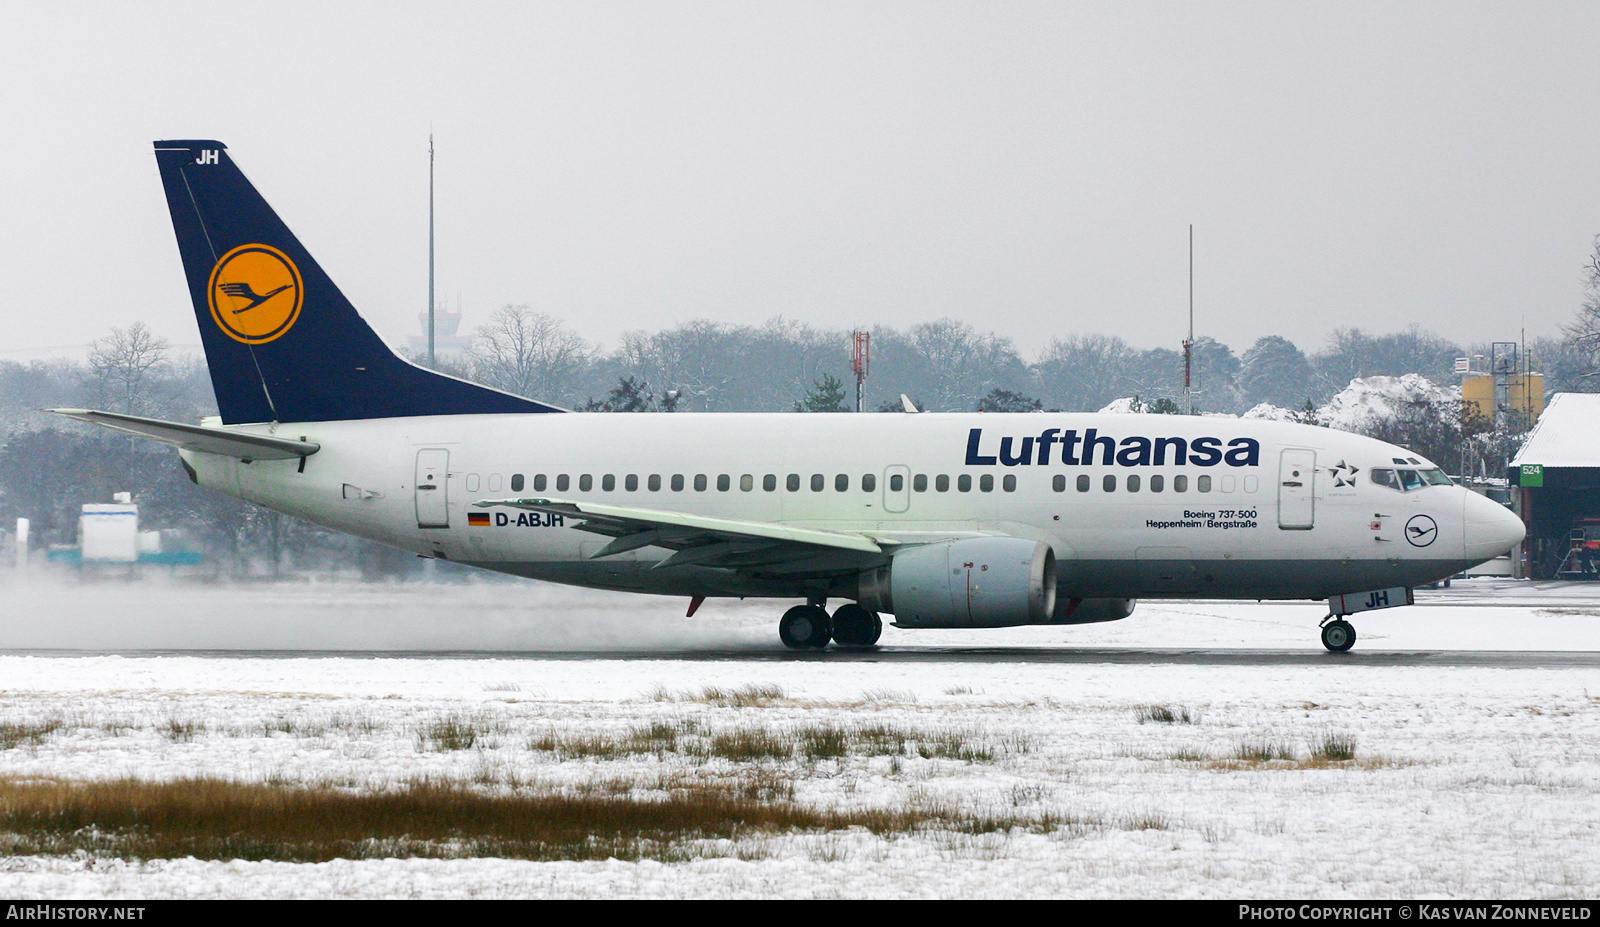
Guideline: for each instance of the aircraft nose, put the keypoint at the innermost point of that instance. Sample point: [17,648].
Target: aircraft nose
[1491,529]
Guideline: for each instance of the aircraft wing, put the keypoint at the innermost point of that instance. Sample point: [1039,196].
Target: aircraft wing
[238,444]
[728,543]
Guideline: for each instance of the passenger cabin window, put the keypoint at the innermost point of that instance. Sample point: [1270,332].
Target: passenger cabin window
[869,482]
[494,482]
[1203,484]
[1108,483]
[769,483]
[1058,483]
[986,483]
[1133,483]
[631,483]
[747,483]
[818,482]
[1158,483]
[964,483]
[608,482]
[563,482]
[1083,482]
[539,482]
[472,482]
[585,483]
[841,483]
[677,482]
[1180,484]
[920,482]
[941,483]
[792,483]
[897,483]
[1009,482]
[724,482]
[700,482]
[654,482]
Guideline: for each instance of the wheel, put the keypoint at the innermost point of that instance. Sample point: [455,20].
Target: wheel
[1339,636]
[855,626]
[805,627]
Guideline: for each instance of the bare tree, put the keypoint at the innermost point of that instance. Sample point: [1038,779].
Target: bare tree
[1583,332]
[126,367]
[528,353]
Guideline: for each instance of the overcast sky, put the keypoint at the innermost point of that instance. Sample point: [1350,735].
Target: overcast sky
[1029,168]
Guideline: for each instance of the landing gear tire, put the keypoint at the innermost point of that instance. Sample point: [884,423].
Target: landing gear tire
[1339,636]
[805,627]
[855,626]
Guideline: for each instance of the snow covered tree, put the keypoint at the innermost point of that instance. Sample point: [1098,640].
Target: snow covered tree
[1276,371]
[825,395]
[629,395]
[1005,400]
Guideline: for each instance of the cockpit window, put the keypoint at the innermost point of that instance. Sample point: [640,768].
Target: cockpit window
[1410,480]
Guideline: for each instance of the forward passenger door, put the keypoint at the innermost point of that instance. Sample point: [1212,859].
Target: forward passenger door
[1297,473]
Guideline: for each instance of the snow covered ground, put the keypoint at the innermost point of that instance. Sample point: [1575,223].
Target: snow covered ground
[1468,781]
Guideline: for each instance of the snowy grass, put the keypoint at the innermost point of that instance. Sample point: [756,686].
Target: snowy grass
[1010,778]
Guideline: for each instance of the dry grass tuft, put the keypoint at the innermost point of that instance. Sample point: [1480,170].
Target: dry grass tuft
[451,732]
[181,730]
[220,819]
[15,734]
[1161,714]
[751,696]
[1334,748]
[1264,750]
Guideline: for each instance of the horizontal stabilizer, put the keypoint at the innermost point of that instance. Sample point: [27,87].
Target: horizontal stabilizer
[242,445]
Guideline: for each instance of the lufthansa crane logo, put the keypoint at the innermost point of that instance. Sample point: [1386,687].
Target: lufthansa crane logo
[1421,530]
[255,293]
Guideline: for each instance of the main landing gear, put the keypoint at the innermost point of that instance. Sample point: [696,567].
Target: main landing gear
[1338,635]
[809,627]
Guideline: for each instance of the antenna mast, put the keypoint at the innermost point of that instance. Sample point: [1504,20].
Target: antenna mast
[430,250]
[1188,343]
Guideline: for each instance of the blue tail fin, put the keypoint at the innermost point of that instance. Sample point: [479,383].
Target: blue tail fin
[283,343]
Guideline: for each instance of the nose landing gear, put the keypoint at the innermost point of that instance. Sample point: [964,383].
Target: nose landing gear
[808,627]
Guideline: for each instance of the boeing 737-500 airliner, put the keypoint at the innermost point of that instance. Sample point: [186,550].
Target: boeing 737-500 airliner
[941,520]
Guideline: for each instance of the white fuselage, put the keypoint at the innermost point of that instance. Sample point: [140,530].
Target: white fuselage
[1269,510]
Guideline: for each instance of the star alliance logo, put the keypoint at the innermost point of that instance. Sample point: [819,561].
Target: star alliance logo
[1343,474]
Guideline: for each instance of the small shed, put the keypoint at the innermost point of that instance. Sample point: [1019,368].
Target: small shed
[1557,475]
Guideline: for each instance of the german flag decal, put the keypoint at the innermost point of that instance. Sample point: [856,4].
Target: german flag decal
[478,519]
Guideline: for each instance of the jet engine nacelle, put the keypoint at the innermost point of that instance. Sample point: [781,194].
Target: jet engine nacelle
[1091,611]
[968,583]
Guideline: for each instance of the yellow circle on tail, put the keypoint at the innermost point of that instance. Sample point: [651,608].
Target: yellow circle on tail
[255,293]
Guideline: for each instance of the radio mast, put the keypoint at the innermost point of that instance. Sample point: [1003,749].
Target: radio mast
[430,250]
[1188,343]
